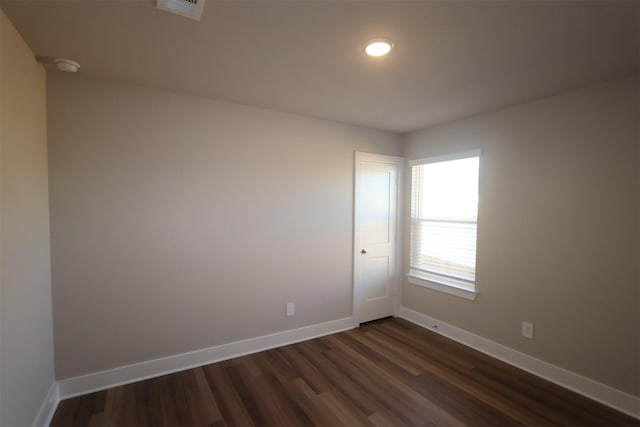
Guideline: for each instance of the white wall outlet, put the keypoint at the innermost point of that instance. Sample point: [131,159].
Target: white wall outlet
[527,330]
[291,309]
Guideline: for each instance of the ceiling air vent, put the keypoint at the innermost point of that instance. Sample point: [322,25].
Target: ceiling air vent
[188,8]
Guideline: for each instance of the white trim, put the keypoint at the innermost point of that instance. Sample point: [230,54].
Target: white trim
[446,157]
[399,162]
[48,408]
[382,158]
[446,287]
[602,393]
[153,368]
[400,235]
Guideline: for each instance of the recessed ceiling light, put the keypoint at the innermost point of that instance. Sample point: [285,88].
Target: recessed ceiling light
[378,47]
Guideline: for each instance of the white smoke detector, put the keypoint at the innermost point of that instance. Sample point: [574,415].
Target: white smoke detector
[62,64]
[66,65]
[187,8]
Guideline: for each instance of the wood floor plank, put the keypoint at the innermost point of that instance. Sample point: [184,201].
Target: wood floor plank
[385,373]
[462,377]
[203,402]
[313,406]
[231,406]
[276,409]
[153,407]
[339,384]
[466,375]
[343,409]
[283,397]
[393,353]
[65,413]
[467,407]
[388,386]
[317,381]
[258,417]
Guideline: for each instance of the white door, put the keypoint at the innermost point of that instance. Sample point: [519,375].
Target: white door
[375,244]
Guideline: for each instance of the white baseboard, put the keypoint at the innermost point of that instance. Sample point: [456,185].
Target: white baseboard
[153,368]
[48,408]
[602,393]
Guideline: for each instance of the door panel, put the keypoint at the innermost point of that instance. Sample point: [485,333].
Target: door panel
[375,243]
[375,277]
[375,205]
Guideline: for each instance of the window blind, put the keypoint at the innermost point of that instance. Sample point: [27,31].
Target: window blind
[444,206]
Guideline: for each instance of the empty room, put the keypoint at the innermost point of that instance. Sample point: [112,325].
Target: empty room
[319,213]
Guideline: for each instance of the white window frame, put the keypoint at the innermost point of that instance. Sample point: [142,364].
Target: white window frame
[447,285]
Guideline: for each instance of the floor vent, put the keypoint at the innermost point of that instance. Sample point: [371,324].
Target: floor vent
[187,8]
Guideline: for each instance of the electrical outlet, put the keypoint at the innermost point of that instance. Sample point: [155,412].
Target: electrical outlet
[291,309]
[527,330]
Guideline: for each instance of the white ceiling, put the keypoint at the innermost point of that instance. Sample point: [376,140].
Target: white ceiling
[452,59]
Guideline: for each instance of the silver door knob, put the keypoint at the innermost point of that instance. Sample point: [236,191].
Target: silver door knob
[364,251]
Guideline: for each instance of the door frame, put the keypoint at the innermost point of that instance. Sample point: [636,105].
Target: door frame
[359,157]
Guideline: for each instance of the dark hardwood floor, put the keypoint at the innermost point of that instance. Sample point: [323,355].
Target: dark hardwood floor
[385,373]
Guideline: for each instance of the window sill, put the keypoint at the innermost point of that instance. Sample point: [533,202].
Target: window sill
[443,286]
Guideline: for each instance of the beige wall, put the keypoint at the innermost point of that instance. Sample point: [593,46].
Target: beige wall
[180,223]
[26,338]
[558,230]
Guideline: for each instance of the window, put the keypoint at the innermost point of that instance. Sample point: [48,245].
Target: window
[444,218]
